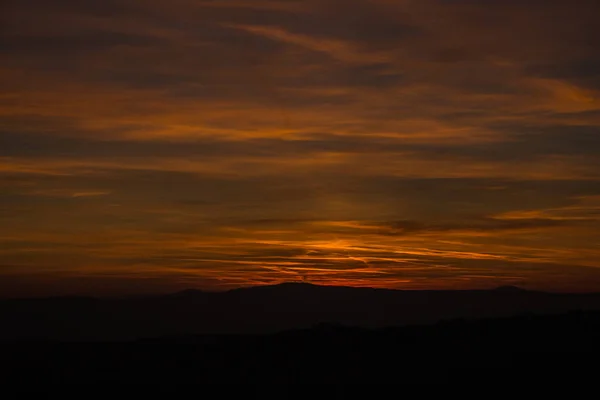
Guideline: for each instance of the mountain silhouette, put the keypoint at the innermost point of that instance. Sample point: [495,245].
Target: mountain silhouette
[187,293]
[559,345]
[298,333]
[509,288]
[267,309]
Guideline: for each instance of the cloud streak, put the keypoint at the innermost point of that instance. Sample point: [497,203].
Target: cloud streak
[410,144]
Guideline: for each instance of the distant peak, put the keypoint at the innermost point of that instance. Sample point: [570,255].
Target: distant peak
[509,288]
[292,283]
[279,286]
[188,292]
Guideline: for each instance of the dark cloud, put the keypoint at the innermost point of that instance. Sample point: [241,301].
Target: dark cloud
[476,225]
[424,143]
[63,46]
[105,8]
[581,71]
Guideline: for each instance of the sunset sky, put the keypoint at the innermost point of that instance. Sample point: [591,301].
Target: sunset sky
[157,145]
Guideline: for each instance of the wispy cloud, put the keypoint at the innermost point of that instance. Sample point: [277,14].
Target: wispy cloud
[337,49]
[368,142]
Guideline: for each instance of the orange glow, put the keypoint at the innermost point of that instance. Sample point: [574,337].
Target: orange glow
[404,144]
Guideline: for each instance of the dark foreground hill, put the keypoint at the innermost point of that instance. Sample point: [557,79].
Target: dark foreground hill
[542,349]
[265,309]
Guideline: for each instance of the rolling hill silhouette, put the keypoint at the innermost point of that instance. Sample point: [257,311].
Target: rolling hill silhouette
[300,333]
[266,309]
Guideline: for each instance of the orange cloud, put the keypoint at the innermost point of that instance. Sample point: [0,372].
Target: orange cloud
[377,143]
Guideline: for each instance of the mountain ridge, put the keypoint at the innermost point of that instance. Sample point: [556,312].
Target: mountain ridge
[190,292]
[267,309]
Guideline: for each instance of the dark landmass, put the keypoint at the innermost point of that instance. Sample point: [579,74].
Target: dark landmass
[525,349]
[266,309]
[300,333]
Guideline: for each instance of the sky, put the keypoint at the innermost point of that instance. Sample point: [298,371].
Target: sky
[154,145]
